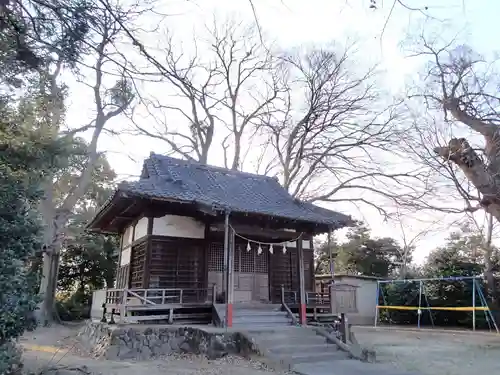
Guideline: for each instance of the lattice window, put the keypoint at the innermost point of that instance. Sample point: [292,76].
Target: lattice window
[216,257]
[176,264]
[247,260]
[122,274]
[237,257]
[262,260]
[244,261]
[137,265]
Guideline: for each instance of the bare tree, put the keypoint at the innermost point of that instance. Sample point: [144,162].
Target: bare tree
[221,93]
[335,134]
[462,85]
[110,101]
[456,131]
[411,236]
[489,254]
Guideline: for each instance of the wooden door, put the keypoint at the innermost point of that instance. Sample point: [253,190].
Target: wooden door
[250,274]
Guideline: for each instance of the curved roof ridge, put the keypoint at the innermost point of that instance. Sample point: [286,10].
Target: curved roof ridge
[211,167]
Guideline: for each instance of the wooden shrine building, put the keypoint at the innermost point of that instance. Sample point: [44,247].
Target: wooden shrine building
[196,230]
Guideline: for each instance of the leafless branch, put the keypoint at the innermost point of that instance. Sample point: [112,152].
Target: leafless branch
[332,139]
[461,84]
[224,93]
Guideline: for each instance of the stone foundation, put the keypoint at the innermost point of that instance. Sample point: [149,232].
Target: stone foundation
[144,342]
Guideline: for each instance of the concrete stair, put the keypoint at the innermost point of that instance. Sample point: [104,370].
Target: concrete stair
[251,317]
[292,346]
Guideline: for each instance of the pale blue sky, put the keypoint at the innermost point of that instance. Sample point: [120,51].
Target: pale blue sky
[294,22]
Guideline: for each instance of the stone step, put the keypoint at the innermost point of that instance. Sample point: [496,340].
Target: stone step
[266,330]
[256,306]
[348,366]
[258,313]
[298,348]
[260,319]
[257,328]
[270,343]
[324,355]
[292,333]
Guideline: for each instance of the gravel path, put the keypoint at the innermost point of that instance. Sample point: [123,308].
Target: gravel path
[433,353]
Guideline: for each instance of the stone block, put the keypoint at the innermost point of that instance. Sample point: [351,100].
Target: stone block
[136,342]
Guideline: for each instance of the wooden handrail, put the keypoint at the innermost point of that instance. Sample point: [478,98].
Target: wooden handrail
[139,297]
[285,306]
[214,293]
[148,296]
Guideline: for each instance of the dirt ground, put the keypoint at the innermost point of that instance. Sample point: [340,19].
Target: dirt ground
[421,352]
[434,353]
[37,356]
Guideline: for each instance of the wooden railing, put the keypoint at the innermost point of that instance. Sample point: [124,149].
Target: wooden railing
[162,302]
[285,306]
[318,298]
[291,297]
[156,296]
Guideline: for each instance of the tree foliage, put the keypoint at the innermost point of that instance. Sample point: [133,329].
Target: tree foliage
[88,260]
[362,254]
[31,32]
[26,156]
[88,263]
[458,257]
[461,255]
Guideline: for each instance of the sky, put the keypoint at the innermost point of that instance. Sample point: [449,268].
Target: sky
[292,23]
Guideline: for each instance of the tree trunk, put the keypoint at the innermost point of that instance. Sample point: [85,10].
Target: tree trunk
[51,253]
[463,155]
[488,264]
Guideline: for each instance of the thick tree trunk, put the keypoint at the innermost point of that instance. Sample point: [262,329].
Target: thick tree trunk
[488,264]
[53,232]
[463,155]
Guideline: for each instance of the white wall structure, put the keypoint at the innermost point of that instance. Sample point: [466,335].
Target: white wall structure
[306,244]
[127,240]
[125,257]
[366,301]
[98,298]
[128,236]
[141,228]
[178,226]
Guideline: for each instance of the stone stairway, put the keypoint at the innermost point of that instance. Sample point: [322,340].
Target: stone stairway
[292,347]
[256,316]
[303,351]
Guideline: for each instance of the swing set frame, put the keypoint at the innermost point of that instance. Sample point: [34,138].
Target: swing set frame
[476,291]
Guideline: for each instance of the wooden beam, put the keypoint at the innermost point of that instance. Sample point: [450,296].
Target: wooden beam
[147,258]
[230,278]
[206,254]
[257,232]
[118,266]
[122,215]
[207,210]
[302,288]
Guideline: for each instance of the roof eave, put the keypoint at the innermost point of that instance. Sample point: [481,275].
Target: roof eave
[90,227]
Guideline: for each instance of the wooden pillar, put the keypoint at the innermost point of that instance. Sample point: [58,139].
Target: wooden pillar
[230,274]
[302,287]
[118,265]
[330,255]
[226,248]
[147,257]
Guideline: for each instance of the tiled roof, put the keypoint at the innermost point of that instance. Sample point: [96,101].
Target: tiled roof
[219,188]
